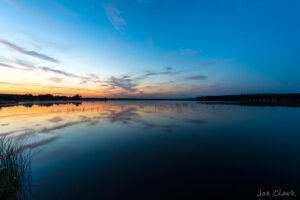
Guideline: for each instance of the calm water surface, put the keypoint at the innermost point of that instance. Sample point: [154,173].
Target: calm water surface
[157,150]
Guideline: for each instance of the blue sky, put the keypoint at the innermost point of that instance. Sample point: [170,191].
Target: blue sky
[149,48]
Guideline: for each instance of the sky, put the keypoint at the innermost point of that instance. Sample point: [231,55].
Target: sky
[149,48]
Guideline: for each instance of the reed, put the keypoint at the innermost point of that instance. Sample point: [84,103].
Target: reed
[15,169]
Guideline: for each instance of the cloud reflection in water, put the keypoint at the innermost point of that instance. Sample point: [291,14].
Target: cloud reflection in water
[21,121]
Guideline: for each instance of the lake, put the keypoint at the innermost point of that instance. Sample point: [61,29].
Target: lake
[157,149]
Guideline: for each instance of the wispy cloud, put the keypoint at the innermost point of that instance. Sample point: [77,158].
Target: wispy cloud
[114,16]
[25,64]
[25,86]
[125,83]
[190,51]
[131,83]
[165,71]
[83,79]
[29,67]
[147,74]
[60,72]
[197,77]
[56,79]
[9,66]
[168,71]
[29,53]
[7,83]
[213,62]
[94,76]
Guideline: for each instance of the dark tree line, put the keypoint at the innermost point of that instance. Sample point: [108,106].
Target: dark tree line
[253,97]
[42,97]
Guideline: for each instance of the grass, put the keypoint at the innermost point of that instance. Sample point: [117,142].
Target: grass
[15,169]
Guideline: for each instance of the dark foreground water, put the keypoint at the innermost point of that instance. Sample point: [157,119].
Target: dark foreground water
[158,150]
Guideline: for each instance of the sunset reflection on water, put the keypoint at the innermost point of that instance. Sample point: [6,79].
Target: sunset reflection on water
[102,150]
[45,120]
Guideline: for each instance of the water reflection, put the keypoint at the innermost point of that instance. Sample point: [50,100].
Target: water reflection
[27,120]
[40,104]
[154,150]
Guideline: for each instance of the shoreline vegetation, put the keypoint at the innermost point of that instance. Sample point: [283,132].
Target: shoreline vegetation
[284,99]
[29,100]
[15,169]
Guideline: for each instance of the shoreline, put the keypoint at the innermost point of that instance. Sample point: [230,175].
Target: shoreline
[285,99]
[295,103]
[30,103]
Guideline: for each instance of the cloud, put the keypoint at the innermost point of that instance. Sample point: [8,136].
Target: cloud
[83,79]
[7,83]
[148,74]
[197,77]
[9,66]
[124,83]
[56,79]
[93,76]
[213,62]
[190,51]
[83,82]
[67,74]
[25,64]
[114,16]
[47,69]
[29,67]
[29,53]
[130,83]
[168,71]
[165,71]
[50,87]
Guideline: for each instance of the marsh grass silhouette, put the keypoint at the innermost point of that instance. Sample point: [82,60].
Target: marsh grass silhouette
[15,169]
